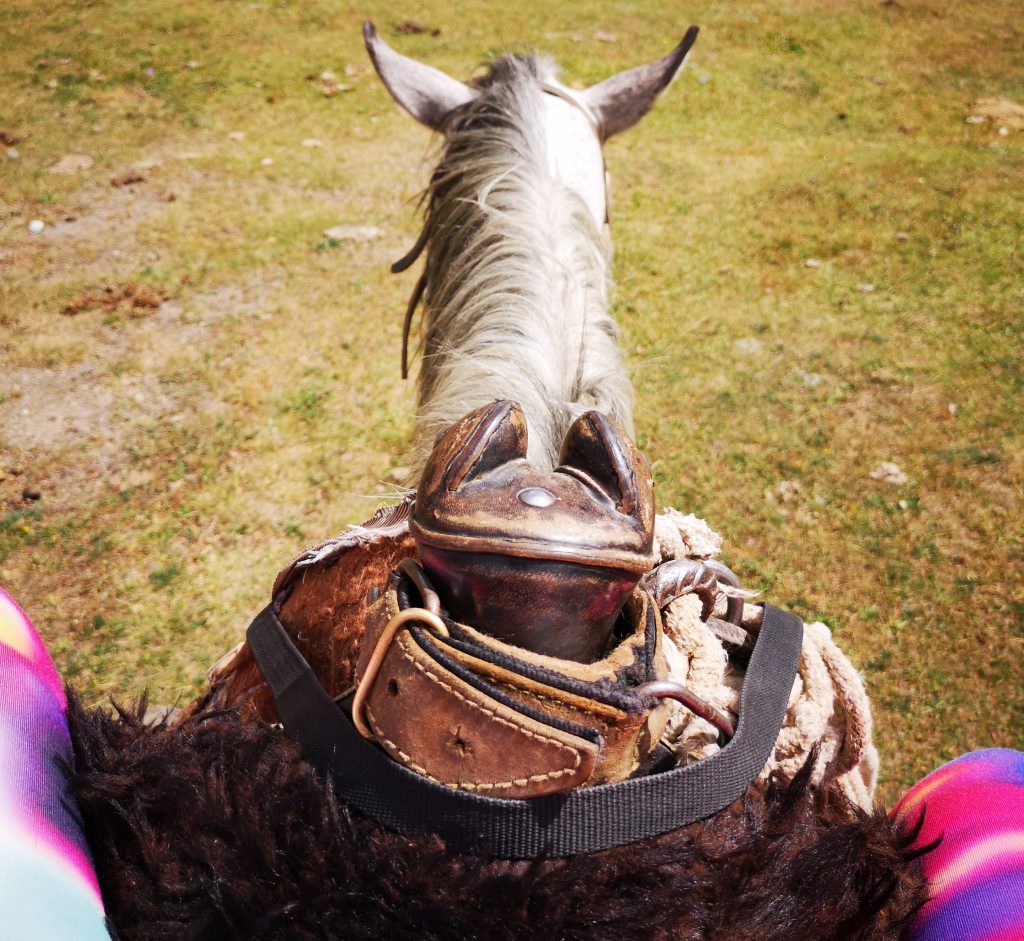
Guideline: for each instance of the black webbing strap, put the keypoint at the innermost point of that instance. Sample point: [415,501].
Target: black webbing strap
[580,821]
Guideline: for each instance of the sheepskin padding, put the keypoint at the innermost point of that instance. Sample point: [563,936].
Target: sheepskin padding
[218,830]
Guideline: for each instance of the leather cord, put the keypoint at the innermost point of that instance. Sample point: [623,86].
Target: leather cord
[583,821]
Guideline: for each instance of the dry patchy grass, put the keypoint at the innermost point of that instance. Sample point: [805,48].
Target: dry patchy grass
[183,453]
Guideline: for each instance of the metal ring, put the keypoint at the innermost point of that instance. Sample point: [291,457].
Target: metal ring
[380,650]
[431,601]
[668,689]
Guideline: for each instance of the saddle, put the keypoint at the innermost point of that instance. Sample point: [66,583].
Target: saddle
[505,643]
[500,768]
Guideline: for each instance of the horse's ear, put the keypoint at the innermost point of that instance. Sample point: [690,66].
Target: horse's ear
[624,99]
[425,92]
[595,447]
[476,444]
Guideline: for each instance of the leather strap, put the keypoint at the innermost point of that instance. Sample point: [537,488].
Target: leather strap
[586,820]
[472,712]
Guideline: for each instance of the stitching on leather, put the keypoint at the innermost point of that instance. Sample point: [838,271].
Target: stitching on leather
[476,785]
[395,750]
[603,721]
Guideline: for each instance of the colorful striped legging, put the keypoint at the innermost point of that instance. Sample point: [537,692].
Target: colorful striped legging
[974,807]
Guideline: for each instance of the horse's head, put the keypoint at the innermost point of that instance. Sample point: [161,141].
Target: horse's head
[575,123]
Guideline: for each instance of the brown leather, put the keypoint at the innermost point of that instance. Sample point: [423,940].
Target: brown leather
[497,536]
[508,734]
[321,598]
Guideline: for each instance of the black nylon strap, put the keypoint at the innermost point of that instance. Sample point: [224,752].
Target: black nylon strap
[581,821]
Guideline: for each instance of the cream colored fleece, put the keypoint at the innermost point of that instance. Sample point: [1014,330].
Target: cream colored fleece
[828,705]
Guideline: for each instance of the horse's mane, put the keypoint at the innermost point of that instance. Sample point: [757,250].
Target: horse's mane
[517,275]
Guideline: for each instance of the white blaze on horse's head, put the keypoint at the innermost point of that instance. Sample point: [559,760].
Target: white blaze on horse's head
[576,123]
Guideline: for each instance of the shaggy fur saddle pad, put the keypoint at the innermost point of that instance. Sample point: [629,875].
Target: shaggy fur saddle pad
[216,829]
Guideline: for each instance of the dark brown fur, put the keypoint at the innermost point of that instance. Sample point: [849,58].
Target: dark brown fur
[217,830]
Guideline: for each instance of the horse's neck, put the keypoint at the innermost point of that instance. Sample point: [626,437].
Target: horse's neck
[517,304]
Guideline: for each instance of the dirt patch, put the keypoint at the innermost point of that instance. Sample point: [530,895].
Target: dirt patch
[43,409]
[999,111]
[136,298]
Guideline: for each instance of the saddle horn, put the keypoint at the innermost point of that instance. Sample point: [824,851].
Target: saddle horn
[544,561]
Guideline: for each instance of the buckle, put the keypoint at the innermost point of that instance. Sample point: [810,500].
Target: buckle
[380,650]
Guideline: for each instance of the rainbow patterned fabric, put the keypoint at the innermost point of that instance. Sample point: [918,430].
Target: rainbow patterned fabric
[976,874]
[48,889]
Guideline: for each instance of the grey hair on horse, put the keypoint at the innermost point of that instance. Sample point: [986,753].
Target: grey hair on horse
[517,275]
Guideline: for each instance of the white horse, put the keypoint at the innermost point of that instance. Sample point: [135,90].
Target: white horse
[518,255]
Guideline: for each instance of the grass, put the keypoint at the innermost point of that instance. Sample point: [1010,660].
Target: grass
[184,453]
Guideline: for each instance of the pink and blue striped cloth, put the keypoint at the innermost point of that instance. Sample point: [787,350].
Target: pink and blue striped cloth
[975,804]
[48,888]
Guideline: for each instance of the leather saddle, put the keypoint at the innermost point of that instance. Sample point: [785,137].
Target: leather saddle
[488,656]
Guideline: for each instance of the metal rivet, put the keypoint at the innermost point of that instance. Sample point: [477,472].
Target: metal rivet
[536,496]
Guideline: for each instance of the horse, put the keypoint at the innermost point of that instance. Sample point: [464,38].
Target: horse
[517,275]
[213,826]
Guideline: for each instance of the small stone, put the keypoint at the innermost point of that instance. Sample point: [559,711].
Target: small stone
[328,76]
[975,119]
[237,135]
[952,407]
[72,163]
[903,504]
[787,490]
[192,65]
[353,233]
[811,380]
[812,263]
[601,36]
[902,236]
[12,154]
[748,346]
[1004,131]
[36,226]
[127,179]
[312,142]
[725,269]
[703,79]
[865,288]
[889,473]
[266,161]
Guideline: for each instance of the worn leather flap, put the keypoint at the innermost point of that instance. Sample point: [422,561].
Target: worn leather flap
[476,714]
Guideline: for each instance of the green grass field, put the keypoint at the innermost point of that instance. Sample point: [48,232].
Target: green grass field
[819,266]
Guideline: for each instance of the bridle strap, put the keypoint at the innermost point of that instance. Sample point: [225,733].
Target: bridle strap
[569,97]
[583,821]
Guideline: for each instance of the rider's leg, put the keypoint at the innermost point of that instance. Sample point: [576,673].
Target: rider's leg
[48,888]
